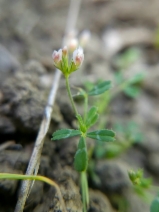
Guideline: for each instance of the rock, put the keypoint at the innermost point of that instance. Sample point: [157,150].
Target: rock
[71,196]
[150,143]
[135,203]
[34,67]
[116,39]
[146,110]
[151,82]
[8,62]
[48,147]
[11,162]
[7,186]
[153,163]
[99,202]
[134,157]
[44,165]
[66,111]
[35,196]
[67,151]
[15,160]
[23,103]
[113,176]
[6,125]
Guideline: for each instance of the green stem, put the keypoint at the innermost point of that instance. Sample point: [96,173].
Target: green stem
[85,106]
[84,183]
[84,188]
[33,177]
[70,95]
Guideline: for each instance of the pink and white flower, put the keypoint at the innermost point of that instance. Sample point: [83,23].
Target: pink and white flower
[78,57]
[61,60]
[57,57]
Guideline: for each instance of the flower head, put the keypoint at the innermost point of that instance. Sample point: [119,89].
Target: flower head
[57,58]
[61,60]
[78,57]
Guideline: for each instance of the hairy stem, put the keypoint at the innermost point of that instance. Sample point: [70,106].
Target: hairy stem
[85,107]
[70,96]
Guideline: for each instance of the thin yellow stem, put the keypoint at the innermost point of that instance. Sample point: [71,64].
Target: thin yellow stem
[39,178]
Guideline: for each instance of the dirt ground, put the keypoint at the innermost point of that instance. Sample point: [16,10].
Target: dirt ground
[29,32]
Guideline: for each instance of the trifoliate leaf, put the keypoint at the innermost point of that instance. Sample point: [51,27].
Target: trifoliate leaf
[100,88]
[102,135]
[65,133]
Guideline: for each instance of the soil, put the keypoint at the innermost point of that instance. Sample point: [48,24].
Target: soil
[30,31]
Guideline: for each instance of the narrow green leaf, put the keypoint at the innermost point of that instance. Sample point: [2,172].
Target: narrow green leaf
[65,133]
[80,120]
[127,58]
[137,78]
[93,120]
[132,91]
[81,160]
[92,116]
[81,157]
[155,205]
[81,123]
[102,135]
[100,88]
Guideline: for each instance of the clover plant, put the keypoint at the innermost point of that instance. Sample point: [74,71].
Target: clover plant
[86,121]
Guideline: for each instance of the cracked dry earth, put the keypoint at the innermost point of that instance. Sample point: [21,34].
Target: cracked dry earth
[30,30]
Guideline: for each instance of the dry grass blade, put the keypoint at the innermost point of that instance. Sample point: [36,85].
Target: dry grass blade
[35,158]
